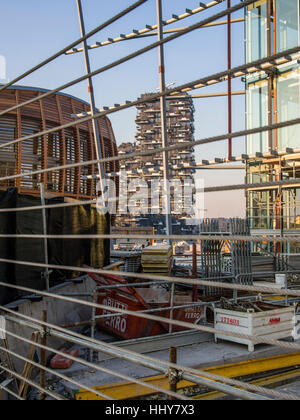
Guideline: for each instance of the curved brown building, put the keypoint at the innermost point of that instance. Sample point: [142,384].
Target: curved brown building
[72,145]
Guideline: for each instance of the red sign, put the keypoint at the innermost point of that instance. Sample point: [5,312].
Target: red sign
[275,320]
[230,321]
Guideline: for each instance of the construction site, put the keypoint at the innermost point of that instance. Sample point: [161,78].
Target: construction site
[117,284]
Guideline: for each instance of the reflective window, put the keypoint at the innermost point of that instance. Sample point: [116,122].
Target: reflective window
[286,15]
[288,108]
[256,27]
[257,116]
[287,23]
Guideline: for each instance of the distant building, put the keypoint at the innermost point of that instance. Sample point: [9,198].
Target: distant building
[180,124]
[273,96]
[180,121]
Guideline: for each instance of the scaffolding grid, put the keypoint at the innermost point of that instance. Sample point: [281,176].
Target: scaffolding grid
[42,331]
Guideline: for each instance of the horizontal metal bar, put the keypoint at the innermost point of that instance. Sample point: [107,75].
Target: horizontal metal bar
[144,360]
[51,371]
[34,384]
[161,368]
[73,44]
[144,153]
[50,206]
[218,94]
[126,352]
[193,305]
[84,362]
[161,309]
[136,359]
[131,56]
[261,185]
[216,237]
[120,286]
[182,324]
[9,391]
[166,279]
[146,32]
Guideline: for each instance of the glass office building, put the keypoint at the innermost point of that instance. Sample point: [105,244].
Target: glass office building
[272,26]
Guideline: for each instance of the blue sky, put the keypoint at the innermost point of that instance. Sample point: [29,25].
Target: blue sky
[32,30]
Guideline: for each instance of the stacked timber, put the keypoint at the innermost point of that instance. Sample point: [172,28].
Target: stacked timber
[157,260]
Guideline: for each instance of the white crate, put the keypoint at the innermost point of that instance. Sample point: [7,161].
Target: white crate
[273,324]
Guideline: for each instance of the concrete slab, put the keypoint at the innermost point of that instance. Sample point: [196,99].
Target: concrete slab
[202,355]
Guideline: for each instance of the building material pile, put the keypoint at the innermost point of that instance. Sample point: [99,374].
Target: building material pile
[211,256]
[263,264]
[131,259]
[241,252]
[157,260]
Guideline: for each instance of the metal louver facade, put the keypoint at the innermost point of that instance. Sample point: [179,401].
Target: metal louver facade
[68,146]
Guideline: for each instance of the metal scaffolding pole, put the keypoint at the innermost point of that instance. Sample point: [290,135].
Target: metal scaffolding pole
[165,143]
[229,37]
[97,138]
[44,222]
[164,128]
[270,78]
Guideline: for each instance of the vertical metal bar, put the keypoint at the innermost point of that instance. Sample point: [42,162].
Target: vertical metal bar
[279,209]
[93,323]
[163,109]
[92,100]
[229,81]
[44,222]
[286,283]
[43,355]
[18,181]
[195,273]
[172,300]
[164,138]
[275,80]
[173,374]
[270,78]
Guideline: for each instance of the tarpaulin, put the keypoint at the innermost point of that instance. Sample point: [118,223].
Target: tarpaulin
[77,220]
[7,226]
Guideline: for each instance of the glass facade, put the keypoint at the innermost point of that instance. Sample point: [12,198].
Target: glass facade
[285,107]
[287,24]
[256,31]
[284,26]
[288,108]
[273,208]
[257,116]
[273,97]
